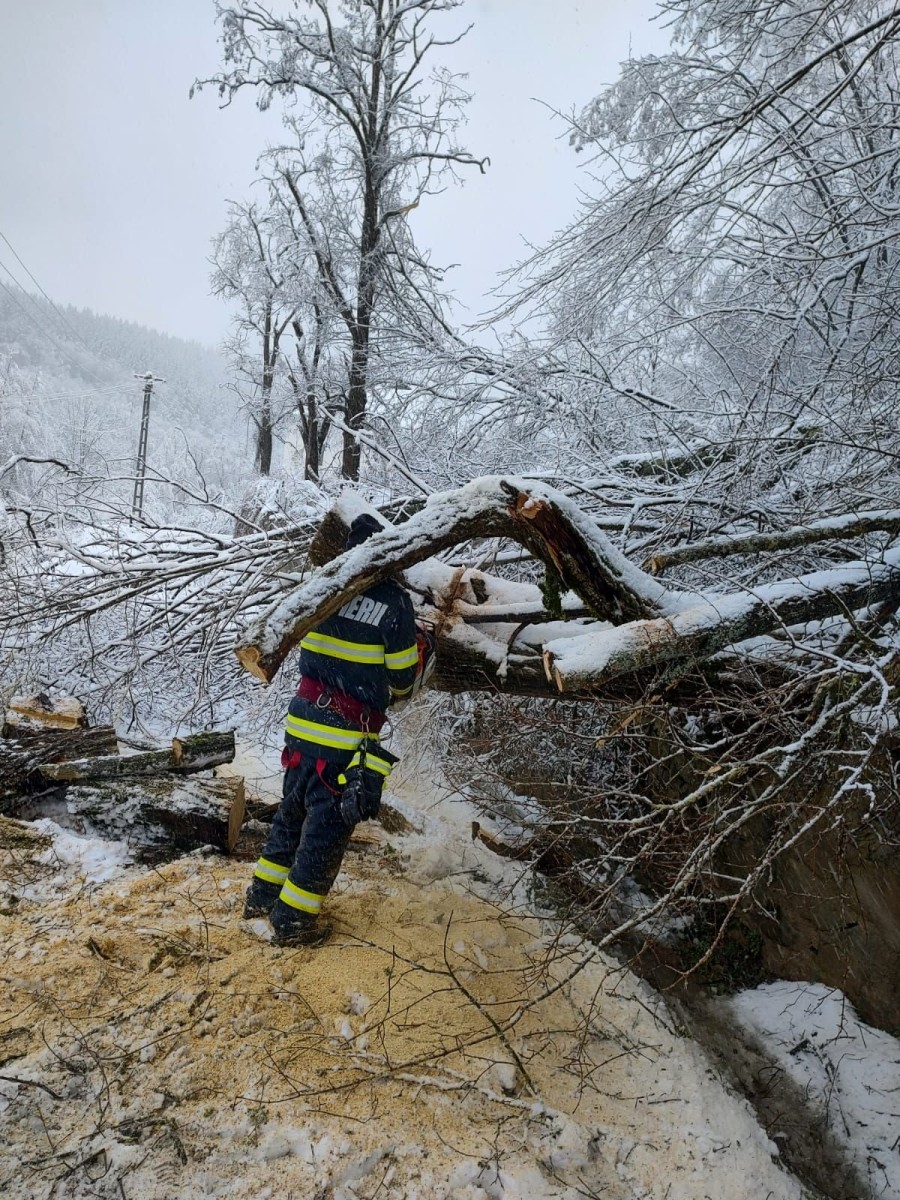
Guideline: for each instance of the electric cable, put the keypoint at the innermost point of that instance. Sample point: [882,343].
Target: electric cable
[61,316]
[80,395]
[43,329]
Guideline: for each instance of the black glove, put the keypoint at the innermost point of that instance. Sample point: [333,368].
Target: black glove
[362,781]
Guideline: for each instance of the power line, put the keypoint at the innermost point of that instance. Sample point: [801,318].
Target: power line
[42,328]
[64,319]
[82,395]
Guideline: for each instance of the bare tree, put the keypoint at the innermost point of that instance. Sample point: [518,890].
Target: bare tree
[248,268]
[737,271]
[377,134]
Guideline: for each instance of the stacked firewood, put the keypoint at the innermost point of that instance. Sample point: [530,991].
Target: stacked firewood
[155,799]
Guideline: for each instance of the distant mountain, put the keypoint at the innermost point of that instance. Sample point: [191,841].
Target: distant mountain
[68,391]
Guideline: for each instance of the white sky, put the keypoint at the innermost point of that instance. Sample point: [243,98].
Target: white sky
[115,182]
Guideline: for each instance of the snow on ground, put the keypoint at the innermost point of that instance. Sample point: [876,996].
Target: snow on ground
[849,1071]
[448,1043]
[69,860]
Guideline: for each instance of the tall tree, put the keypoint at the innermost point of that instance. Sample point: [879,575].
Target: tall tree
[737,273]
[248,268]
[373,134]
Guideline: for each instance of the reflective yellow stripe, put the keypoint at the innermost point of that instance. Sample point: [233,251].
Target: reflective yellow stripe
[358,652]
[379,765]
[402,658]
[373,763]
[400,692]
[325,735]
[297,898]
[270,872]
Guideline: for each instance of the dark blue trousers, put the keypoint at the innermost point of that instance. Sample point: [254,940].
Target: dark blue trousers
[308,838]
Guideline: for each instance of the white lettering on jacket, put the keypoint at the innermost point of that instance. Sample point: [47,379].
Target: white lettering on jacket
[362,608]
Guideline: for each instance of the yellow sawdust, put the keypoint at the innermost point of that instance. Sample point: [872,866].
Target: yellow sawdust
[158,984]
[162,1047]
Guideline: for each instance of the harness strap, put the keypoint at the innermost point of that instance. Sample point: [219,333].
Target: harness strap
[321,764]
[346,706]
[293,758]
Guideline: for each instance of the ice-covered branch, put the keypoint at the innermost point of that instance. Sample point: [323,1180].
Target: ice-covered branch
[550,525]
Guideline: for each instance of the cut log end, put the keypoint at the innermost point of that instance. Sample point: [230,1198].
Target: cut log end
[553,675]
[236,814]
[65,712]
[201,750]
[251,659]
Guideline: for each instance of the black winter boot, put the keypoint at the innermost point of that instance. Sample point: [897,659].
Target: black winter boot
[312,933]
[295,928]
[261,897]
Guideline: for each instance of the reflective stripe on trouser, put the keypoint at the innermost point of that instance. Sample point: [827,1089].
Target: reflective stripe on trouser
[295,897]
[307,840]
[270,872]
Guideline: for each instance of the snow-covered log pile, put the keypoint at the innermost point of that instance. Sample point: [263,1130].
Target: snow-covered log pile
[153,799]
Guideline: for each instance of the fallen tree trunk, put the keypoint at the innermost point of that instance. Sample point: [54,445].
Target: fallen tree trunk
[187,756]
[670,633]
[543,520]
[163,814]
[65,712]
[23,752]
[669,645]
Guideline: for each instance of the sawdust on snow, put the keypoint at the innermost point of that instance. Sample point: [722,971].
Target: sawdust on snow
[436,1046]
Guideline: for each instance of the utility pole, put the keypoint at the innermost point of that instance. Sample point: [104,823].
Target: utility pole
[141,466]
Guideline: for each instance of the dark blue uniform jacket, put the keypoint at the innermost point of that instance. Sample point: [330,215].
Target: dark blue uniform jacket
[367,649]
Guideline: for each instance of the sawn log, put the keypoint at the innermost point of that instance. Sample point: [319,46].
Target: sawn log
[159,815]
[23,751]
[187,756]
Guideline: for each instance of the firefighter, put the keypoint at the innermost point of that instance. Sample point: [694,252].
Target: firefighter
[353,665]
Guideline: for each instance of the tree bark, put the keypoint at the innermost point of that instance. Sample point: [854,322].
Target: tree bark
[670,645]
[187,756]
[164,814]
[851,525]
[264,419]
[21,754]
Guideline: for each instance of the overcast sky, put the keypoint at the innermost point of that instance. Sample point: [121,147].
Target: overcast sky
[114,181]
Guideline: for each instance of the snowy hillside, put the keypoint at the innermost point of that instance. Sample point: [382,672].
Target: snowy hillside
[68,390]
[447,1042]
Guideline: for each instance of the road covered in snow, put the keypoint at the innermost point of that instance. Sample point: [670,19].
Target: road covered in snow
[449,1042]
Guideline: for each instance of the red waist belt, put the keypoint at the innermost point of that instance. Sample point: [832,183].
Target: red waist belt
[351,709]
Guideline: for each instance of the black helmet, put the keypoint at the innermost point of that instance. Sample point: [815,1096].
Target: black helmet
[362,528]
